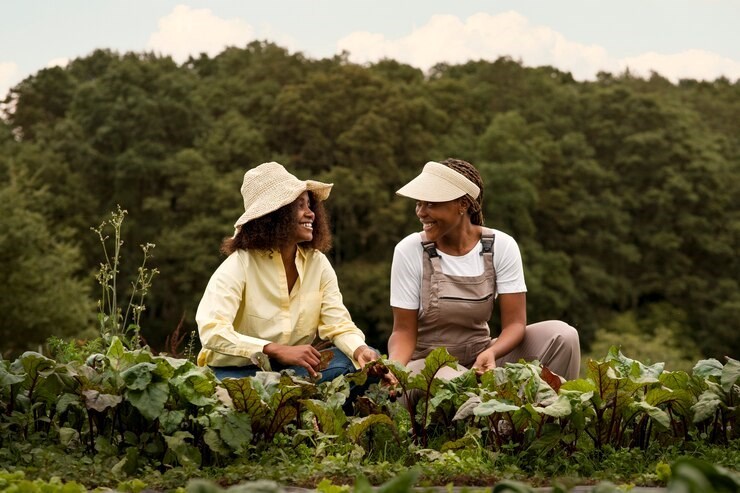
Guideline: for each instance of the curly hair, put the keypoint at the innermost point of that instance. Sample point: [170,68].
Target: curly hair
[274,230]
[475,211]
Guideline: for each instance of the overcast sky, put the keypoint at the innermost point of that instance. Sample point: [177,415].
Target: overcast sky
[678,38]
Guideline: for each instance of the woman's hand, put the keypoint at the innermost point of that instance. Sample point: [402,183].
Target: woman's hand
[305,355]
[364,355]
[485,361]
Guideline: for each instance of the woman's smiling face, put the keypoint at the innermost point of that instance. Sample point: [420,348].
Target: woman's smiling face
[439,218]
[304,217]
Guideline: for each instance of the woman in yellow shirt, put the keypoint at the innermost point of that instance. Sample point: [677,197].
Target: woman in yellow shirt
[276,290]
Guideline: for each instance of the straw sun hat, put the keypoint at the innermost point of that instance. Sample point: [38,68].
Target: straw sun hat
[269,186]
[439,183]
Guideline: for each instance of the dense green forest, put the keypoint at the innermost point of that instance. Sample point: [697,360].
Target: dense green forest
[623,192]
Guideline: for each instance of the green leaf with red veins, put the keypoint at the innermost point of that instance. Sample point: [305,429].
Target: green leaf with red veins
[283,415]
[331,420]
[245,397]
[437,359]
[680,400]
[606,385]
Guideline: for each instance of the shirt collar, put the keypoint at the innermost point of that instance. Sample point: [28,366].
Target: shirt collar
[302,252]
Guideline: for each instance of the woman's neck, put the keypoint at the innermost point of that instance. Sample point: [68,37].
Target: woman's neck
[460,241]
[291,271]
[288,254]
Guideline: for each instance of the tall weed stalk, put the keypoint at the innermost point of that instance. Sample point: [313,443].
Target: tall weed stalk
[112,321]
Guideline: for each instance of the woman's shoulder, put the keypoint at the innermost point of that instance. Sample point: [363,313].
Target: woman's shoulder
[234,265]
[410,246]
[412,240]
[500,236]
[314,256]
[503,244]
[237,258]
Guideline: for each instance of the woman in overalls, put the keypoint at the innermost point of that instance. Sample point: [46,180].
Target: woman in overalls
[444,281]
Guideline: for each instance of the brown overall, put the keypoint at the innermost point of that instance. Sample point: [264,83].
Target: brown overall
[455,310]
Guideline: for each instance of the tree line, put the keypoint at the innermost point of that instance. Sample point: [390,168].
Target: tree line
[623,192]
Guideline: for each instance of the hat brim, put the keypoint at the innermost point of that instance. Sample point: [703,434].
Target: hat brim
[431,188]
[319,189]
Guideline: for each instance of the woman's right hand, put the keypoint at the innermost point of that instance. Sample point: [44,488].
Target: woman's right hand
[305,355]
[485,361]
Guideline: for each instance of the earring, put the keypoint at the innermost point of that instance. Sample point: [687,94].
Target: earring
[462,212]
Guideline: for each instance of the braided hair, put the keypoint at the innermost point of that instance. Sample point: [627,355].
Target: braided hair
[475,211]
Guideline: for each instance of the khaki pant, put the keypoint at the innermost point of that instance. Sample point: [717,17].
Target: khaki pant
[553,343]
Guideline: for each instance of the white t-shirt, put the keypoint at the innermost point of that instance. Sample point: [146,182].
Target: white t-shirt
[407,268]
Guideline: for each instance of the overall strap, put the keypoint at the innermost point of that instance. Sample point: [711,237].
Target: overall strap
[431,267]
[431,250]
[487,239]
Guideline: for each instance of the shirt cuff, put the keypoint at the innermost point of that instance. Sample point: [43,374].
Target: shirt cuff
[348,344]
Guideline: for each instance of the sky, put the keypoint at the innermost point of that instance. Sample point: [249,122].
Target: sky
[697,39]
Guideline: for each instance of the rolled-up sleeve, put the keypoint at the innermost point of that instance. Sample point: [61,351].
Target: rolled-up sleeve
[216,314]
[335,323]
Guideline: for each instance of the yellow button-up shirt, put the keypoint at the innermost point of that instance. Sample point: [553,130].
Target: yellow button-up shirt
[247,306]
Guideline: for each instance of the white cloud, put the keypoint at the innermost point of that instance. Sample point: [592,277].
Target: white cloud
[691,64]
[9,76]
[187,31]
[447,38]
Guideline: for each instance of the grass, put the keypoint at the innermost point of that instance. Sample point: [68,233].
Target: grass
[307,467]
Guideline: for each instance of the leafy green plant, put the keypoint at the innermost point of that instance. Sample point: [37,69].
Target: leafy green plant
[717,410]
[269,399]
[136,410]
[420,390]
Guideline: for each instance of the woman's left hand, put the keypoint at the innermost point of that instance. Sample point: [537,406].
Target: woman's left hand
[485,361]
